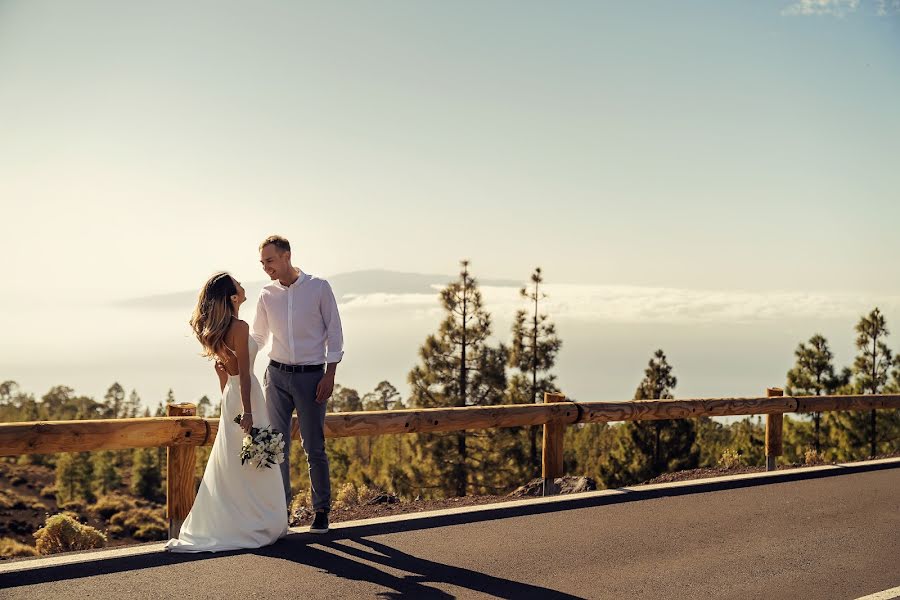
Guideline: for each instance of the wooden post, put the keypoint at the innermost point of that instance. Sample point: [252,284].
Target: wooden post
[552,459]
[180,462]
[774,427]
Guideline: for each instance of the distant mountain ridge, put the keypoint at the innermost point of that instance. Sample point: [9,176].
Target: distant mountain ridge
[354,283]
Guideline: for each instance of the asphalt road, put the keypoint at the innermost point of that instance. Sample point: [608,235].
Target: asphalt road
[830,537]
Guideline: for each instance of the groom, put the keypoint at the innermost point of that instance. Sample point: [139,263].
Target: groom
[300,312]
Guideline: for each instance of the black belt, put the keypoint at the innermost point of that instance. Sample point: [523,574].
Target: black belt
[296,368]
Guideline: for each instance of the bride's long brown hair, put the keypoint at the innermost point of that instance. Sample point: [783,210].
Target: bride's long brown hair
[212,315]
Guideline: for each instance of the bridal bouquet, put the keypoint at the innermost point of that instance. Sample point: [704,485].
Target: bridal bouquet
[263,446]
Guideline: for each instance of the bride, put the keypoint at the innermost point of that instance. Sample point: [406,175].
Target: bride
[237,506]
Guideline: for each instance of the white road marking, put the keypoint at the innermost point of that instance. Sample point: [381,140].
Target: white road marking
[885,595]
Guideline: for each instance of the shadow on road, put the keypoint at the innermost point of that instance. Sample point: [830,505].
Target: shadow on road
[326,555]
[341,558]
[349,561]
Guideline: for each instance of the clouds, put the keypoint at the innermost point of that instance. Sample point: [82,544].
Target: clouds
[839,8]
[648,305]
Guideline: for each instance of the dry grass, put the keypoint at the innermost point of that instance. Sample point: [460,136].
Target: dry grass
[107,506]
[61,533]
[10,548]
[142,524]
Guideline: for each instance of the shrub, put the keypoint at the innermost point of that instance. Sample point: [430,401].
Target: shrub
[107,506]
[349,495]
[61,533]
[10,548]
[151,532]
[48,491]
[302,500]
[811,457]
[10,499]
[17,480]
[129,522]
[73,505]
[38,505]
[731,459]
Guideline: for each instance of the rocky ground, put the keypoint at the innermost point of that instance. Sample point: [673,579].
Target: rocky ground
[381,505]
[27,498]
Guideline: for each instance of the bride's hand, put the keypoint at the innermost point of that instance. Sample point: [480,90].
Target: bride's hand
[246,422]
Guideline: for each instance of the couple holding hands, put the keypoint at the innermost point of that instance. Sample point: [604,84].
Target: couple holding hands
[237,505]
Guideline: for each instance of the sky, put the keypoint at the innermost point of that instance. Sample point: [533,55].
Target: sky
[746,149]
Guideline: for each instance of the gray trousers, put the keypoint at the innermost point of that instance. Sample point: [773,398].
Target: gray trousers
[285,393]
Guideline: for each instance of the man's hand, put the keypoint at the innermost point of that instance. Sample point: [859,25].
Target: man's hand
[325,387]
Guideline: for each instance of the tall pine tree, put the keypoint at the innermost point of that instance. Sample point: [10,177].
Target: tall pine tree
[458,368]
[533,352]
[114,402]
[642,450]
[872,365]
[813,375]
[133,405]
[106,472]
[384,397]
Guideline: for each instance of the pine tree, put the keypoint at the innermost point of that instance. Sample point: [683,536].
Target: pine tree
[161,450]
[533,352]
[345,399]
[813,375]
[668,443]
[642,450]
[203,406]
[895,376]
[132,405]
[57,404]
[85,476]
[872,365]
[384,397]
[106,472]
[66,477]
[458,368]
[114,402]
[74,476]
[146,481]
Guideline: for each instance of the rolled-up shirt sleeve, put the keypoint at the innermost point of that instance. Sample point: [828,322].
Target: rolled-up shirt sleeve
[334,335]
[260,329]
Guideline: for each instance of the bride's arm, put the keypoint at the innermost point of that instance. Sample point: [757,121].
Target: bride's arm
[241,335]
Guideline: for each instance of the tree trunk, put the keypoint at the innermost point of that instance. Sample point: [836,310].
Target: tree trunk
[535,460]
[461,465]
[872,433]
[658,427]
[817,418]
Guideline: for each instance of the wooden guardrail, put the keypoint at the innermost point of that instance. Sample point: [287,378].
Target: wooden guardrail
[181,431]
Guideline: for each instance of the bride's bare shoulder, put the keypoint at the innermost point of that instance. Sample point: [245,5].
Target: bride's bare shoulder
[237,329]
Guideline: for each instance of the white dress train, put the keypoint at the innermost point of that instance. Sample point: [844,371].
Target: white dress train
[237,506]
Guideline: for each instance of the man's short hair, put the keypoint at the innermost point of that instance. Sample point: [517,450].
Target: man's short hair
[277,241]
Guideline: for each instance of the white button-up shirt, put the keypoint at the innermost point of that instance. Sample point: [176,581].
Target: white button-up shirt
[303,320]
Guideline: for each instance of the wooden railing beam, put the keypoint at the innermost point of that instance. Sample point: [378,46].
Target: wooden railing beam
[47,437]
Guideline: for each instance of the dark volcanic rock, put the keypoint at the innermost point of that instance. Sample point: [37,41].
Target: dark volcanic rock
[384,498]
[569,484]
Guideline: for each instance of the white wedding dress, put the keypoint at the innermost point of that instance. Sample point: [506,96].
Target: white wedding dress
[237,506]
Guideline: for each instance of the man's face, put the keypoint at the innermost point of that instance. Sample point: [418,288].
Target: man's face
[275,262]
